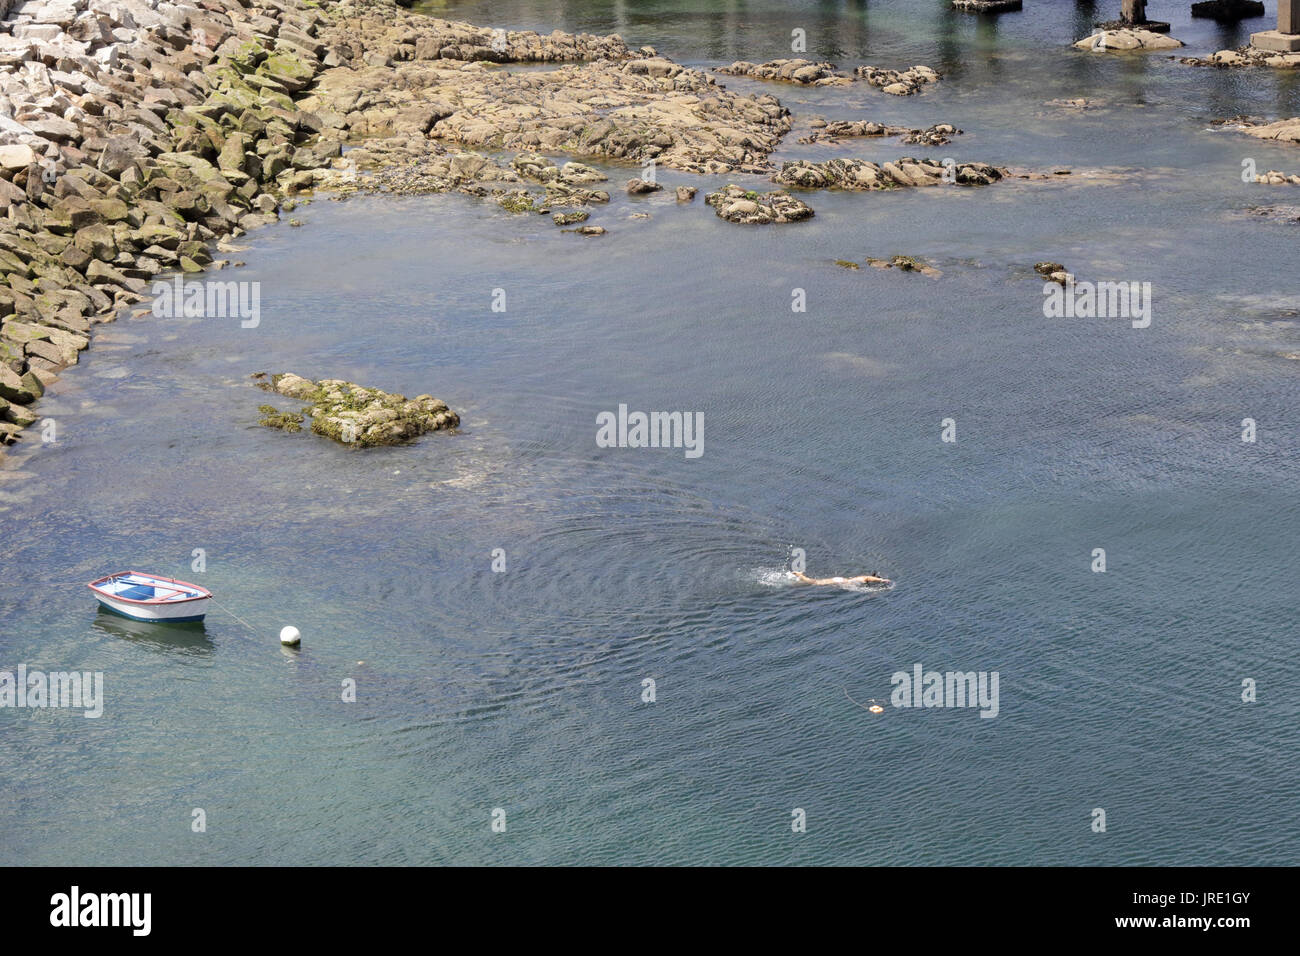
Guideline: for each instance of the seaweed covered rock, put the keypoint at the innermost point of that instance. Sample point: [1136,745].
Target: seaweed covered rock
[860,174]
[752,208]
[905,264]
[352,414]
[898,82]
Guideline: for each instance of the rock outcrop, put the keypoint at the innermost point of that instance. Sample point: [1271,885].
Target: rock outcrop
[748,207]
[1054,272]
[1284,130]
[1277,178]
[936,135]
[987,6]
[803,72]
[1246,56]
[352,414]
[905,264]
[1127,40]
[862,175]
[409,101]
[132,134]
[898,82]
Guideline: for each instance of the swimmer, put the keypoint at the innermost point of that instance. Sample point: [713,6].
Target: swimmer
[859,579]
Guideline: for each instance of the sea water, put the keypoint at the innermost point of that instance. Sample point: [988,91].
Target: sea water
[497,599]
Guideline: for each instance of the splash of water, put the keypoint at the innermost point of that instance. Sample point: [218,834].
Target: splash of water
[781,577]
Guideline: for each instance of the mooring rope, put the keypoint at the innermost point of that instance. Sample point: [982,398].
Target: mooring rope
[252,630]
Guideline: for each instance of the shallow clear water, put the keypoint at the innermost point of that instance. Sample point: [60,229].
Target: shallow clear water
[521,690]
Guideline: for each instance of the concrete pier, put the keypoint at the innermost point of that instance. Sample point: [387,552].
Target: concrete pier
[1286,38]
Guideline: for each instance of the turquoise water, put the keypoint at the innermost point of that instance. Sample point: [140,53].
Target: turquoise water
[522,690]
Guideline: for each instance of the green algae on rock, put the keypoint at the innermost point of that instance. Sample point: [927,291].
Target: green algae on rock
[569,218]
[905,264]
[353,414]
[752,208]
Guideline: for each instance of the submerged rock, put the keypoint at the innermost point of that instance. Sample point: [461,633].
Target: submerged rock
[905,264]
[1053,272]
[1075,103]
[987,6]
[272,417]
[352,414]
[735,204]
[1278,213]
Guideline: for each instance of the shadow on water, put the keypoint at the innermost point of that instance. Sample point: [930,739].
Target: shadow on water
[1085,15]
[190,637]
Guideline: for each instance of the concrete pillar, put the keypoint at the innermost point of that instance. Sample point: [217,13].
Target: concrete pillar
[1286,38]
[1288,16]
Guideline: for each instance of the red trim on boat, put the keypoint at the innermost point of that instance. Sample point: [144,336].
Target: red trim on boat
[203,594]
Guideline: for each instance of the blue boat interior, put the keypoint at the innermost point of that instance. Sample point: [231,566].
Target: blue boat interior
[138,592]
[138,587]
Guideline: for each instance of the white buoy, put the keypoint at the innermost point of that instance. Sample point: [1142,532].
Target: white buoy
[290,636]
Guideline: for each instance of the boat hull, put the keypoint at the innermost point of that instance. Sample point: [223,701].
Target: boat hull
[176,614]
[151,598]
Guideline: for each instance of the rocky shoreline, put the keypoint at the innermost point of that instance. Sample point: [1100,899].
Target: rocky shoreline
[132,135]
[136,135]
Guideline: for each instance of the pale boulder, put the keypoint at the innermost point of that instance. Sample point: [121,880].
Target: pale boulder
[1122,41]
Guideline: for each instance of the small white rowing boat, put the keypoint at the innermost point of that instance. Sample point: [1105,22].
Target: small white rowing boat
[148,597]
